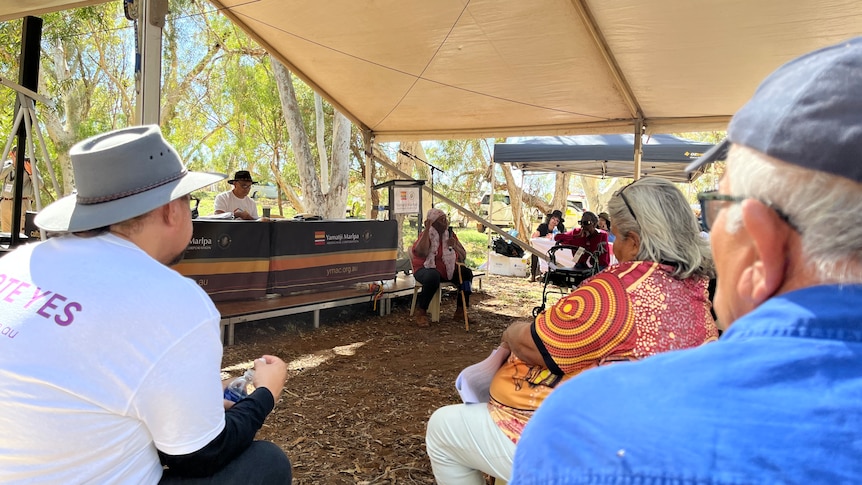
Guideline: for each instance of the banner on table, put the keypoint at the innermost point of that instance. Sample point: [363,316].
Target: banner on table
[323,255]
[229,259]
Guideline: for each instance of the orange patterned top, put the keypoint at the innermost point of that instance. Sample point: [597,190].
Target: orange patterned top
[630,311]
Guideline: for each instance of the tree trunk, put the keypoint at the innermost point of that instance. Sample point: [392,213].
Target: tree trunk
[321,142]
[561,191]
[332,204]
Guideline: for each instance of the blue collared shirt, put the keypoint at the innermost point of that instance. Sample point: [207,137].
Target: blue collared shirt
[778,399]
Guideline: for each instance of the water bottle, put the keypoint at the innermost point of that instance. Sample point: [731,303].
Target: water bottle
[238,388]
[556,231]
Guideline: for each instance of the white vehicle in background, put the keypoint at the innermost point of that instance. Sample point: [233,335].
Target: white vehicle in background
[576,204]
[264,190]
[501,213]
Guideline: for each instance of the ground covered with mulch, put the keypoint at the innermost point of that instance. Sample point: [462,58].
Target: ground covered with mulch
[361,387]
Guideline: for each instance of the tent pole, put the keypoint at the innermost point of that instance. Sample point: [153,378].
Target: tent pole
[639,149]
[368,139]
[150,21]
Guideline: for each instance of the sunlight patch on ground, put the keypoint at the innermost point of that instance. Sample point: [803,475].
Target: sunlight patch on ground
[303,362]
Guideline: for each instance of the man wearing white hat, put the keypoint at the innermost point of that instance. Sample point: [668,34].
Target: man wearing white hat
[110,360]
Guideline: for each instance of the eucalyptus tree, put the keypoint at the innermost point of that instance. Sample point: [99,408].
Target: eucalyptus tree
[464,164]
[331,202]
[88,67]
[82,70]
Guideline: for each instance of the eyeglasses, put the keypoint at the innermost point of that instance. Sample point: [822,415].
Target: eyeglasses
[622,194]
[585,223]
[709,209]
[194,202]
[244,186]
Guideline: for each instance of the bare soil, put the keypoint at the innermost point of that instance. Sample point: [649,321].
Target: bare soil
[361,387]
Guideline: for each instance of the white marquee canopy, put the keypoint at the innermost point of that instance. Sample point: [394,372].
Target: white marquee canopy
[419,69]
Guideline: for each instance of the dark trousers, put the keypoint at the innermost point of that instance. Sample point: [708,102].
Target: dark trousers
[534,265]
[262,463]
[431,278]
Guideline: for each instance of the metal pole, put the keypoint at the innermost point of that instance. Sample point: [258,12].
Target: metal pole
[368,138]
[150,22]
[639,125]
[28,77]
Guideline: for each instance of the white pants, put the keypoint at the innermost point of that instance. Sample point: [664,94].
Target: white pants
[463,442]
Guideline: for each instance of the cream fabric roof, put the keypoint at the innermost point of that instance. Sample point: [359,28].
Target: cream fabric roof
[439,69]
[13,9]
[420,69]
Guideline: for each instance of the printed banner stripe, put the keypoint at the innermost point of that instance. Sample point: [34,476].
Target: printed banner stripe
[221,266]
[283,263]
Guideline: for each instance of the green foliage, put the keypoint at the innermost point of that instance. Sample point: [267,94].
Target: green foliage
[464,163]
[709,180]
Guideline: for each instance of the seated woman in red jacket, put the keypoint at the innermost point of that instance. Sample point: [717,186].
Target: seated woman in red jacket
[590,238]
[435,257]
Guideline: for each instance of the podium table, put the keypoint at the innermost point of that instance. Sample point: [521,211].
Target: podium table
[237,260]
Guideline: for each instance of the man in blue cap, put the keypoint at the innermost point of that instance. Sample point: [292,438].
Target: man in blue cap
[778,399]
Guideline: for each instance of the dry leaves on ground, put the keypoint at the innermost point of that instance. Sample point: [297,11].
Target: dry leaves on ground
[361,387]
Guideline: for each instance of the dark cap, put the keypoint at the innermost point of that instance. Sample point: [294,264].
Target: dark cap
[807,113]
[557,214]
[241,176]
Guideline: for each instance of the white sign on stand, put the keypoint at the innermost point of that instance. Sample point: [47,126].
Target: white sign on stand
[406,200]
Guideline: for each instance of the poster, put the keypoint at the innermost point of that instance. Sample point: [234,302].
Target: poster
[406,200]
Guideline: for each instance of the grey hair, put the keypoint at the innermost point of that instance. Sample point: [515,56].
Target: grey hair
[825,208]
[668,229]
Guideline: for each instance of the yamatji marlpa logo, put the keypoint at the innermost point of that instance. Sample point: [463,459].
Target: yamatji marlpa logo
[321,238]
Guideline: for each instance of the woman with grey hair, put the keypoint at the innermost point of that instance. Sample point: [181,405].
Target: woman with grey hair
[654,222]
[653,301]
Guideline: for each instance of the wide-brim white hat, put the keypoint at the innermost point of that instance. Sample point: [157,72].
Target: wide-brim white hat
[120,175]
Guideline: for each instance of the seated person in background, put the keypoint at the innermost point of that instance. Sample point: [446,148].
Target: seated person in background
[653,301]
[436,254]
[590,238]
[110,373]
[605,225]
[550,228]
[237,200]
[778,399]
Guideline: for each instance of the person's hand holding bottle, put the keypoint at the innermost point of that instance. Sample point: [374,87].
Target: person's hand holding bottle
[270,372]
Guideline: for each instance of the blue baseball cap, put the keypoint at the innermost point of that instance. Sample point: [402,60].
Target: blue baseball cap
[808,113]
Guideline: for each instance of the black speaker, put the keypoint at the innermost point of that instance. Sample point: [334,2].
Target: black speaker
[30,229]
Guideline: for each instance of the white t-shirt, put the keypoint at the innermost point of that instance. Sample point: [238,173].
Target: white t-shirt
[105,355]
[228,202]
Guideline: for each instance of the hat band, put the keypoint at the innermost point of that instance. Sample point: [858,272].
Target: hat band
[120,195]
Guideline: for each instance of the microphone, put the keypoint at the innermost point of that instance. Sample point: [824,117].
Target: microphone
[406,154]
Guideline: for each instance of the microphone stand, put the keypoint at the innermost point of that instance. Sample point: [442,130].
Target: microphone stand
[432,167]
